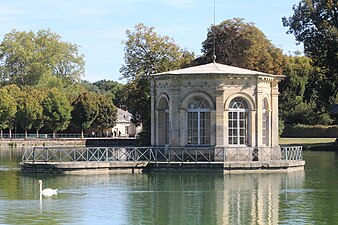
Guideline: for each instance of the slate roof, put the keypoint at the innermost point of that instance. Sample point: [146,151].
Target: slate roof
[214,68]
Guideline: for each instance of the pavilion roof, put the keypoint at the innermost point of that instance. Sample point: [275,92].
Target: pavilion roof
[214,68]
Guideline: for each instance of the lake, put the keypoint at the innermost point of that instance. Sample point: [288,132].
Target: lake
[306,197]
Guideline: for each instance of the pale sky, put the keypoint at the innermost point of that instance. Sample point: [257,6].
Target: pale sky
[99,26]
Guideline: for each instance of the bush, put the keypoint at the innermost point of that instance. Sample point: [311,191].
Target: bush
[310,131]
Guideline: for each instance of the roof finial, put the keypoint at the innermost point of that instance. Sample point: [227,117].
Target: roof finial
[214,49]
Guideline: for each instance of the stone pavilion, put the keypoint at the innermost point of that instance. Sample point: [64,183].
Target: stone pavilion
[215,105]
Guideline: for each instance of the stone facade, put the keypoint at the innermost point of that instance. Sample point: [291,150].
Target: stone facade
[215,105]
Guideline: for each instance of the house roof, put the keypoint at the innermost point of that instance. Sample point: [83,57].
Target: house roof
[214,68]
[123,116]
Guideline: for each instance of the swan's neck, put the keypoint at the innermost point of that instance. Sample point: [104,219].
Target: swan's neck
[40,186]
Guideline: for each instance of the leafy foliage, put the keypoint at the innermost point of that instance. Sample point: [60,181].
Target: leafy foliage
[7,109]
[27,58]
[57,110]
[29,111]
[147,53]
[241,44]
[315,23]
[86,110]
[106,117]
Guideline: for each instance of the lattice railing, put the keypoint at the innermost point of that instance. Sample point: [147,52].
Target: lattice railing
[160,154]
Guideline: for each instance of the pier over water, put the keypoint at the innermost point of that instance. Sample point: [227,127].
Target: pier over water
[147,159]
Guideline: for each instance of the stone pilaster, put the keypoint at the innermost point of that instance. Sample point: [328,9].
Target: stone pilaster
[219,121]
[274,113]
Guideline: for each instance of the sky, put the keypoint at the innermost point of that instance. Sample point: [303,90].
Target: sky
[99,26]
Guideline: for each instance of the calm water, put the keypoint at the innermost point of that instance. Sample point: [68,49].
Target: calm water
[309,197]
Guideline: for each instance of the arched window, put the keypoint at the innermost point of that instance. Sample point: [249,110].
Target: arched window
[265,123]
[198,122]
[163,120]
[238,122]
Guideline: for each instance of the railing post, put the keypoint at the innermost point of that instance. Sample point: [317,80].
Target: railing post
[156,155]
[107,154]
[182,153]
[286,153]
[33,154]
[223,154]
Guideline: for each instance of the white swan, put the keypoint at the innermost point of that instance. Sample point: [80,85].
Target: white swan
[47,191]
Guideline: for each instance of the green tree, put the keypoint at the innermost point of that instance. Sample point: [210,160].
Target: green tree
[39,94]
[29,111]
[57,111]
[297,70]
[16,92]
[110,88]
[241,44]
[86,110]
[27,58]
[7,109]
[147,53]
[107,115]
[315,24]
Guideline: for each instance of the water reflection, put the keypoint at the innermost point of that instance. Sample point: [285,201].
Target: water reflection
[211,199]
[158,198]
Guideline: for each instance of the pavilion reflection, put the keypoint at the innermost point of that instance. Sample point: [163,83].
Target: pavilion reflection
[211,198]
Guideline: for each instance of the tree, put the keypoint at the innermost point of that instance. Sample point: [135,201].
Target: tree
[29,111]
[297,70]
[315,24]
[86,110]
[57,111]
[7,109]
[39,94]
[241,44]
[147,53]
[27,58]
[110,88]
[107,115]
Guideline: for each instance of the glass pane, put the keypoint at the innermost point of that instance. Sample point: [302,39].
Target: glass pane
[235,132]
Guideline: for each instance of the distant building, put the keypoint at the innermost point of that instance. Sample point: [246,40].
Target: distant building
[123,128]
[215,105]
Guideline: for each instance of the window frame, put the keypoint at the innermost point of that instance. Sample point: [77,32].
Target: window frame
[238,122]
[198,119]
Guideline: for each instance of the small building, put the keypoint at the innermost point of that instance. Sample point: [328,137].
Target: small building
[215,105]
[124,127]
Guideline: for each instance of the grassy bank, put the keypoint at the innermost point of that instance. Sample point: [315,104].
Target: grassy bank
[311,143]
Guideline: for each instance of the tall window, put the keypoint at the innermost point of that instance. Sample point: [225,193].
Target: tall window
[198,119]
[265,123]
[163,122]
[238,122]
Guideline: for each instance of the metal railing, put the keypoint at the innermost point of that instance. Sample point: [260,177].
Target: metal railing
[62,136]
[159,154]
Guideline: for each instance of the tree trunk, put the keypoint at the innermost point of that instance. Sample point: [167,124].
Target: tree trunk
[1,133]
[82,134]
[10,132]
[37,133]
[25,134]
[54,134]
